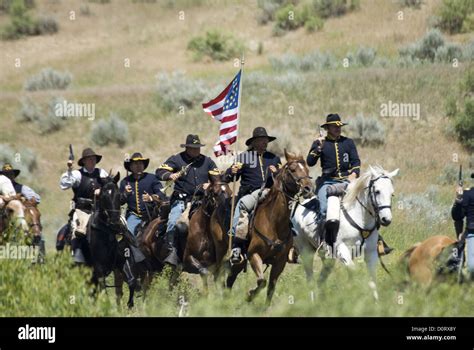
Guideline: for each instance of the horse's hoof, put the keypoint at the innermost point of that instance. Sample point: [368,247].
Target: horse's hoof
[203,271]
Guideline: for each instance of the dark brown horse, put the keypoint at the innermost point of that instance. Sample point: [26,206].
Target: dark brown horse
[269,230]
[200,252]
[435,257]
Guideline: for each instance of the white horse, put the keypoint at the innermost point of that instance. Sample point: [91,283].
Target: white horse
[365,206]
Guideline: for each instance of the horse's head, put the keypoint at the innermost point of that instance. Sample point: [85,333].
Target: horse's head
[32,215]
[380,191]
[218,189]
[295,175]
[109,199]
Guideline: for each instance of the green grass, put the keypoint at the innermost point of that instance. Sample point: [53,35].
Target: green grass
[57,289]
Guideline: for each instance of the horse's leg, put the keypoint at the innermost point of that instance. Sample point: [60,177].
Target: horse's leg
[257,267]
[118,278]
[371,258]
[328,264]
[307,258]
[205,284]
[277,269]
[195,266]
[131,281]
[234,272]
[344,254]
[131,288]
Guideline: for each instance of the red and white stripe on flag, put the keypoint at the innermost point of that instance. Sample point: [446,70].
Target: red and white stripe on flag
[225,109]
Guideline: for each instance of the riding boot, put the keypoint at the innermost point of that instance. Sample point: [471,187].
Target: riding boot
[382,247]
[127,270]
[172,258]
[78,255]
[236,255]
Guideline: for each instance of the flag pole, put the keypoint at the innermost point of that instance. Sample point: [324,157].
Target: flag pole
[234,182]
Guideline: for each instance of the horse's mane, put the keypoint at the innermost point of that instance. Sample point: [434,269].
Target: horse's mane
[358,186]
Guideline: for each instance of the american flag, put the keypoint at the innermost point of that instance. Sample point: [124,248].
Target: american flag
[225,109]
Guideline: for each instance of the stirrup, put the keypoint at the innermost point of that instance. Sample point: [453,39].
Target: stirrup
[236,256]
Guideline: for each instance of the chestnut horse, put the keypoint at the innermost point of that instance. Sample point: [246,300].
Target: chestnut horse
[434,257]
[270,237]
[200,252]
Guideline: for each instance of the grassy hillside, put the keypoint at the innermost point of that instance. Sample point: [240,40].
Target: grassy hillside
[93,49]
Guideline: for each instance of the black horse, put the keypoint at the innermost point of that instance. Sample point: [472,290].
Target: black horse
[109,244]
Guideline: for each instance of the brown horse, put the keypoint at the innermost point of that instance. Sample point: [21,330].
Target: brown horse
[269,230]
[432,258]
[33,217]
[200,252]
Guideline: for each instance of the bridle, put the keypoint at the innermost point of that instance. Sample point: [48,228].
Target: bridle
[376,207]
[296,179]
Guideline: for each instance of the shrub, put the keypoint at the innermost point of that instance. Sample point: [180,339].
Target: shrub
[425,206]
[424,49]
[46,25]
[453,13]
[48,79]
[468,51]
[411,3]
[468,24]
[334,8]
[85,10]
[450,106]
[367,131]
[23,159]
[366,56]
[175,90]
[464,124]
[467,84]
[287,18]
[268,9]
[449,52]
[291,17]
[29,112]
[449,175]
[5,5]
[314,60]
[50,122]
[20,22]
[112,130]
[217,46]
[314,24]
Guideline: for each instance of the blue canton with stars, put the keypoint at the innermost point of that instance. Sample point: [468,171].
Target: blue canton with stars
[232,97]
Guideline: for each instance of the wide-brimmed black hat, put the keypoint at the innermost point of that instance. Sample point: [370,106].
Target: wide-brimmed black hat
[88,152]
[192,141]
[333,119]
[136,157]
[259,132]
[7,168]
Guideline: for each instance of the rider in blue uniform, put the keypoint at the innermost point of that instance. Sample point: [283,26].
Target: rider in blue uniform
[340,163]
[463,208]
[254,168]
[138,190]
[189,170]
